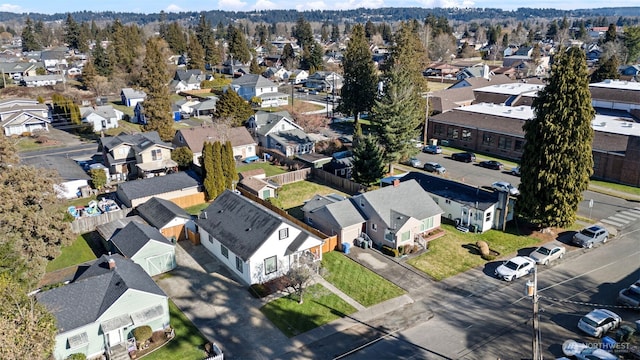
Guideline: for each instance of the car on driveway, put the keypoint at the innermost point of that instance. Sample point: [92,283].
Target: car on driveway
[515,171]
[599,321]
[505,187]
[548,253]
[464,157]
[432,149]
[591,235]
[413,161]
[434,167]
[515,268]
[491,164]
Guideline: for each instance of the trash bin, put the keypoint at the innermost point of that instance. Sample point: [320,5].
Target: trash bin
[608,343]
[345,247]
[624,333]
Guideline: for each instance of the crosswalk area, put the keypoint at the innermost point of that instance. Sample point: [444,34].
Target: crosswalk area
[623,218]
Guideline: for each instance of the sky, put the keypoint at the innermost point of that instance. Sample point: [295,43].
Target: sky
[155,6]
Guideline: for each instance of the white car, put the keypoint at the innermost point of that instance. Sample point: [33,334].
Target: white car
[585,352]
[505,187]
[548,253]
[599,321]
[515,268]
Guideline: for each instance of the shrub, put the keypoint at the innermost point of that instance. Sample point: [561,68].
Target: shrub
[484,248]
[488,257]
[415,248]
[158,337]
[77,356]
[259,290]
[387,250]
[142,334]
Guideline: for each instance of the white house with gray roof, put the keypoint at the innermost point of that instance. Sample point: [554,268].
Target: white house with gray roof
[97,312]
[278,131]
[255,243]
[19,116]
[251,85]
[130,97]
[101,117]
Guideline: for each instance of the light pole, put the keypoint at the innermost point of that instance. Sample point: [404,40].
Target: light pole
[532,291]
[428,95]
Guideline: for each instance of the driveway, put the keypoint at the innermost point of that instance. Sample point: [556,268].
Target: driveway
[221,308]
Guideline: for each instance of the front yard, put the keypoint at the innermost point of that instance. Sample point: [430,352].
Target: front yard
[360,283]
[78,252]
[453,253]
[320,306]
[291,197]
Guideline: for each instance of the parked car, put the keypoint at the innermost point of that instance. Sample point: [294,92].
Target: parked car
[505,187]
[491,164]
[345,140]
[413,161]
[630,296]
[515,171]
[587,237]
[599,321]
[585,352]
[417,143]
[432,149]
[515,268]
[313,92]
[548,253]
[434,167]
[464,157]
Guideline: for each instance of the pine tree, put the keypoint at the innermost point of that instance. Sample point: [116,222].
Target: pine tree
[411,54]
[557,160]
[254,68]
[230,172]
[195,53]
[102,61]
[607,70]
[89,74]
[232,106]
[154,79]
[611,34]
[632,42]
[368,161]
[360,76]
[303,32]
[29,40]
[238,45]
[218,177]
[335,32]
[398,114]
[210,190]
[72,32]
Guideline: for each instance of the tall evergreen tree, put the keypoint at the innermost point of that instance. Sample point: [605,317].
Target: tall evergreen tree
[557,160]
[607,70]
[238,45]
[72,33]
[29,39]
[288,56]
[368,161]
[254,68]
[219,177]
[410,53]
[335,32]
[303,32]
[611,34]
[154,79]
[229,165]
[360,76]
[210,190]
[232,106]
[89,74]
[632,42]
[195,53]
[102,61]
[175,36]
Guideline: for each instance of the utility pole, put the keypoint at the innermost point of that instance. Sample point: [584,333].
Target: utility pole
[532,291]
[427,95]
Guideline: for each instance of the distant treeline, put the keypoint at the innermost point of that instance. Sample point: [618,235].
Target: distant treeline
[624,15]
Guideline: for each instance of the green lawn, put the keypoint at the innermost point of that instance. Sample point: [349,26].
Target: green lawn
[188,343]
[617,187]
[295,194]
[76,253]
[449,255]
[360,283]
[320,306]
[269,169]
[197,209]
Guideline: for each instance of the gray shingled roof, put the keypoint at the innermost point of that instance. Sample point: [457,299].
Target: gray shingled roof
[291,137]
[84,300]
[316,202]
[134,236]
[240,224]
[449,189]
[139,141]
[265,121]
[407,199]
[253,80]
[109,229]
[65,167]
[159,212]
[345,213]
[159,185]
[130,93]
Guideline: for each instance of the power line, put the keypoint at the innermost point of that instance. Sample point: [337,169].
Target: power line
[589,304]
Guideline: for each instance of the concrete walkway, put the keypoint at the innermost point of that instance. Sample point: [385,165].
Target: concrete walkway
[320,280]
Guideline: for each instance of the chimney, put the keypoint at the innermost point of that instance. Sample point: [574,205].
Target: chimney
[112,264]
[396,182]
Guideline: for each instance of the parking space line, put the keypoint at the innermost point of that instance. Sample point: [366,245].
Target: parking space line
[607,221]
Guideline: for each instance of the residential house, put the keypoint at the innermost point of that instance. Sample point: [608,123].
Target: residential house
[341,164]
[101,117]
[131,97]
[138,114]
[328,81]
[528,67]
[298,76]
[251,85]
[469,206]
[393,216]
[255,182]
[510,94]
[509,50]
[630,71]
[23,116]
[108,230]
[275,74]
[166,216]
[72,176]
[314,160]
[234,68]
[97,312]
[54,59]
[129,156]
[16,70]
[478,71]
[185,80]
[41,80]
[206,107]
[145,246]
[255,243]
[278,131]
[244,146]
[183,188]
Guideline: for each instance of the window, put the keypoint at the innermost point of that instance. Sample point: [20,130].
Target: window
[374,227]
[210,238]
[283,233]
[270,265]
[426,224]
[488,217]
[438,129]
[518,145]
[452,133]
[466,135]
[224,251]
[405,236]
[239,264]
[156,154]
[504,143]
[486,140]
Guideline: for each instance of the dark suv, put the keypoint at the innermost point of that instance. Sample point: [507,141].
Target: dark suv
[464,157]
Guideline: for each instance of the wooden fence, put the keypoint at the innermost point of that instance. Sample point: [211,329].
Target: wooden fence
[89,223]
[330,243]
[291,176]
[346,185]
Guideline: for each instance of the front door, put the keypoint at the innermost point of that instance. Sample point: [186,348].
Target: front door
[114,337]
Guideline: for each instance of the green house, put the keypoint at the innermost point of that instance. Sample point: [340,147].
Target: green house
[97,312]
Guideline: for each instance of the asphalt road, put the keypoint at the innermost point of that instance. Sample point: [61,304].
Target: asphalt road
[492,319]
